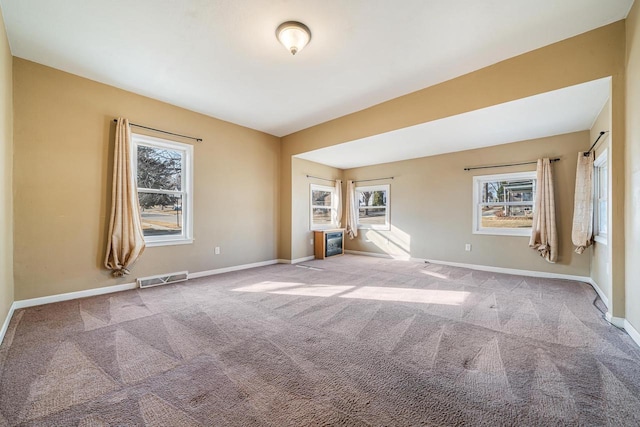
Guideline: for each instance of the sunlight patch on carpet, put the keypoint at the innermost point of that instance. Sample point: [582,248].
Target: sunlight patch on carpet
[424,296]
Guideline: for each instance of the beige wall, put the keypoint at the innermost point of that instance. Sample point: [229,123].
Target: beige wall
[600,254]
[589,56]
[632,156]
[301,233]
[432,206]
[63,140]
[6,167]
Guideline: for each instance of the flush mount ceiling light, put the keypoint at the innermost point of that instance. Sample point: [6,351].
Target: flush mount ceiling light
[293,35]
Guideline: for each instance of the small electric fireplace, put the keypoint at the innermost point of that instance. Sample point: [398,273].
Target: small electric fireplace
[329,243]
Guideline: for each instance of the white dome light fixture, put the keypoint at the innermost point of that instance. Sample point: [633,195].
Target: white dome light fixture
[293,35]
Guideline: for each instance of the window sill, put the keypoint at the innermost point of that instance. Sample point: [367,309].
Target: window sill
[505,232]
[601,239]
[155,243]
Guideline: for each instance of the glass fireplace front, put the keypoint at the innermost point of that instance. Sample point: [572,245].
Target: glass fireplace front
[333,244]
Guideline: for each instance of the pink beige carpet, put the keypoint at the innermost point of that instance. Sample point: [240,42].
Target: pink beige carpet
[347,341]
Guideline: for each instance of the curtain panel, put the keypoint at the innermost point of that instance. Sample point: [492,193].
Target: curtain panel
[126,239]
[338,204]
[582,228]
[544,236]
[352,210]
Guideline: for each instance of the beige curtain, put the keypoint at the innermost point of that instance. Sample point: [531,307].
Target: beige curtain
[337,194]
[352,210]
[544,237]
[126,241]
[583,204]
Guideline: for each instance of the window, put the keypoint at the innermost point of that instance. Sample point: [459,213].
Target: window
[373,207]
[163,172]
[503,204]
[323,207]
[600,198]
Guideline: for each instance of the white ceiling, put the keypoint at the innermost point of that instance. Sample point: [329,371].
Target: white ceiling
[571,109]
[221,57]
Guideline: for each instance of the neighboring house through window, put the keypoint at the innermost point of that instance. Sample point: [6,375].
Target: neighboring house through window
[600,198]
[373,207]
[163,171]
[504,203]
[323,205]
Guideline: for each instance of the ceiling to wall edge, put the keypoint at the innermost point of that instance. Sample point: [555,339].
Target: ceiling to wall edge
[571,109]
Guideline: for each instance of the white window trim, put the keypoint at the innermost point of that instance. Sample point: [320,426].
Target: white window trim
[601,160]
[332,208]
[387,222]
[187,184]
[477,191]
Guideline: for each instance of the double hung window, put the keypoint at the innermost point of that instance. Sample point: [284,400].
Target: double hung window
[323,207]
[373,207]
[504,203]
[600,198]
[163,173]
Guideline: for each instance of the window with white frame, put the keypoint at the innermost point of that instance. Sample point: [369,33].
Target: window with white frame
[503,204]
[323,207]
[163,172]
[600,197]
[373,207]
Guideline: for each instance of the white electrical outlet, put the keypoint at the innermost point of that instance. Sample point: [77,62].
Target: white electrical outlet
[467,247]
[311,242]
[217,250]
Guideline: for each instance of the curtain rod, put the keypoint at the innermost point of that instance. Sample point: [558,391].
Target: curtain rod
[360,180]
[317,177]
[588,153]
[162,131]
[373,179]
[510,164]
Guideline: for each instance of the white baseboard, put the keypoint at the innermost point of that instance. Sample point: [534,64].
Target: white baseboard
[5,325]
[615,321]
[232,268]
[373,254]
[530,273]
[633,333]
[492,269]
[377,255]
[32,302]
[295,261]
[125,287]
[599,291]
[73,295]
